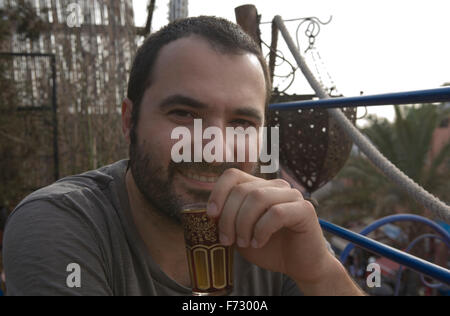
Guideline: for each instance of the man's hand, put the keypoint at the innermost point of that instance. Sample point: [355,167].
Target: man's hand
[273,227]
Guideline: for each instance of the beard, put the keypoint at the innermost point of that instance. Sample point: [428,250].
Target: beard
[156,181]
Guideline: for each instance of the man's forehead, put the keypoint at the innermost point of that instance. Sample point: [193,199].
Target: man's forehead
[191,40]
[194,66]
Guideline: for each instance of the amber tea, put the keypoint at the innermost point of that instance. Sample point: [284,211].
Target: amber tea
[210,263]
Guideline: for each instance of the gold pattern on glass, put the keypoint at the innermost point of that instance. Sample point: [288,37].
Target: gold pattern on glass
[201,268]
[219,275]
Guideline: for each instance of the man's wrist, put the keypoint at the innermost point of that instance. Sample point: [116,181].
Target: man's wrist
[334,280]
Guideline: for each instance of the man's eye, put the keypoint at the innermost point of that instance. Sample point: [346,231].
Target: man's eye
[181,114]
[243,123]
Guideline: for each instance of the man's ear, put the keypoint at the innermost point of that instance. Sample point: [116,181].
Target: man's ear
[127,108]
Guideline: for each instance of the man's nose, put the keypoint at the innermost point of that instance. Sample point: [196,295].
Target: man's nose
[226,151]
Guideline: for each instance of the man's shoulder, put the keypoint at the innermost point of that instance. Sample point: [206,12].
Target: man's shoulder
[73,220]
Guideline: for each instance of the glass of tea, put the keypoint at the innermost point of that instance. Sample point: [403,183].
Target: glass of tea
[210,263]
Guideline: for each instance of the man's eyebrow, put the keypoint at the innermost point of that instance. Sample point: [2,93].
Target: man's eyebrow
[249,112]
[178,99]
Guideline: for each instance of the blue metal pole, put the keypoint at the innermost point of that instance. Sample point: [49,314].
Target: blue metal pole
[398,218]
[410,246]
[412,262]
[409,97]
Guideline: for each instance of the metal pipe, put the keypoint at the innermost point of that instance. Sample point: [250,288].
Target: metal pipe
[55,118]
[397,218]
[400,270]
[417,264]
[26,54]
[408,97]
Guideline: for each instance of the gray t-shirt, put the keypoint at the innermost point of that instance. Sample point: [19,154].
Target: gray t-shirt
[85,220]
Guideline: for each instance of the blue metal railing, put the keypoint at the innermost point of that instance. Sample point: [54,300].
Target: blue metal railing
[398,218]
[408,249]
[403,258]
[408,97]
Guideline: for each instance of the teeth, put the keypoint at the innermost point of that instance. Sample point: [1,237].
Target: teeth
[200,178]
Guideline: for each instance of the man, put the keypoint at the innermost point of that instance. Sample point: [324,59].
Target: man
[116,230]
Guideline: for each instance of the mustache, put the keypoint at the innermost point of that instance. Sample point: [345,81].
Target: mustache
[204,167]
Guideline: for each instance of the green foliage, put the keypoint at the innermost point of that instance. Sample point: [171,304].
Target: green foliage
[407,143]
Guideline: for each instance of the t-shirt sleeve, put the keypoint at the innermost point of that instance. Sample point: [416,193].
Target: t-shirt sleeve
[50,249]
[290,288]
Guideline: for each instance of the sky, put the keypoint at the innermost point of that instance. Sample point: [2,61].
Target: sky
[369,46]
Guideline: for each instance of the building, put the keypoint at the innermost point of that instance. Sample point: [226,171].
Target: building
[178,9]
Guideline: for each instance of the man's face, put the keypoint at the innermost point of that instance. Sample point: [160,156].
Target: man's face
[190,81]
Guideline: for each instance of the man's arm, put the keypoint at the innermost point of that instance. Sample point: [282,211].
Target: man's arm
[335,281]
[45,243]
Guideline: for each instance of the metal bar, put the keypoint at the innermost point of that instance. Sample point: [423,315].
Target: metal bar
[55,120]
[398,218]
[34,108]
[247,18]
[26,54]
[412,262]
[273,50]
[409,97]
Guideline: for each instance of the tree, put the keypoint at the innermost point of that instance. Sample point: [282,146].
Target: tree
[148,24]
[407,143]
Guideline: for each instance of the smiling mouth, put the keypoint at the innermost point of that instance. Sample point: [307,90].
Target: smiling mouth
[199,177]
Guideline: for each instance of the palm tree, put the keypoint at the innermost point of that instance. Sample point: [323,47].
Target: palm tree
[407,143]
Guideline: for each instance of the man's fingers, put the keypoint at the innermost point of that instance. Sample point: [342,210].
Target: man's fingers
[226,182]
[222,188]
[255,205]
[232,206]
[293,215]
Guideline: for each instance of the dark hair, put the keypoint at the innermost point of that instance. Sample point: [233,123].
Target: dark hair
[224,36]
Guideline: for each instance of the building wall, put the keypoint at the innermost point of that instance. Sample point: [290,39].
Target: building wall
[178,9]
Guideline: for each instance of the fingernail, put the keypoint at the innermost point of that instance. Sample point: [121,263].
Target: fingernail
[211,209]
[241,242]
[223,239]
[254,243]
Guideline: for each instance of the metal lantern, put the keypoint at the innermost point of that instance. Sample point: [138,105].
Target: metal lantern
[313,148]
